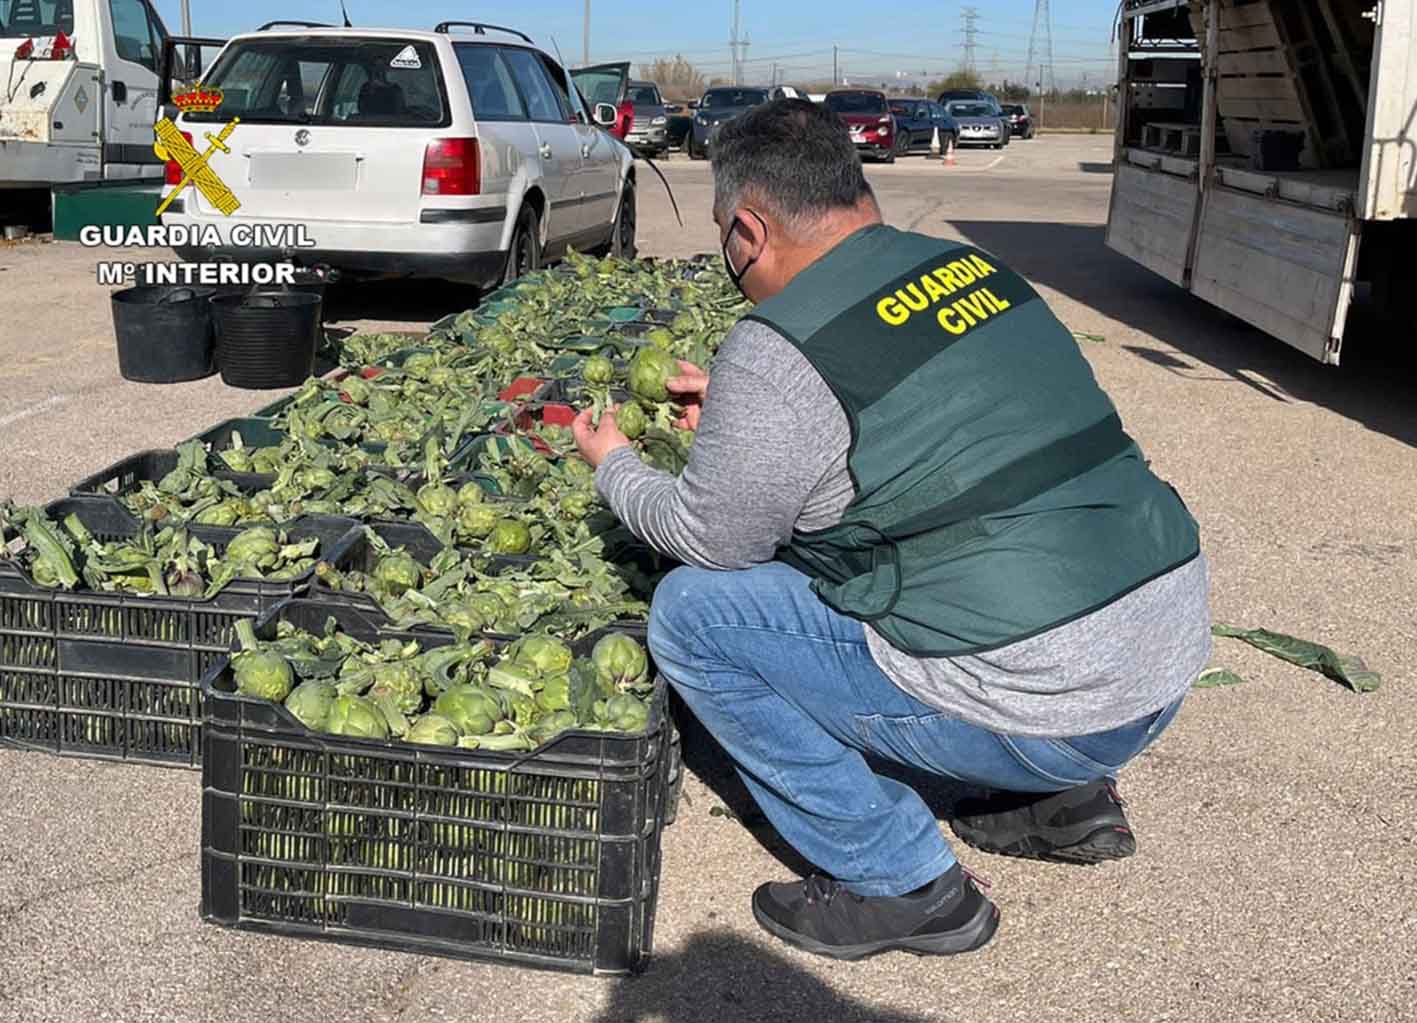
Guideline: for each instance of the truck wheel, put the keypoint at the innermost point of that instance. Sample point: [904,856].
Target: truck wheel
[524,254]
[622,237]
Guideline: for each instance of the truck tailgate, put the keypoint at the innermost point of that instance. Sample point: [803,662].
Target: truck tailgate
[49,101]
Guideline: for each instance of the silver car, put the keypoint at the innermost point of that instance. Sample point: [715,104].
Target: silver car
[978,124]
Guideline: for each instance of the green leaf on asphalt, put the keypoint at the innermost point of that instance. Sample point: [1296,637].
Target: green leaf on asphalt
[1212,678]
[1346,670]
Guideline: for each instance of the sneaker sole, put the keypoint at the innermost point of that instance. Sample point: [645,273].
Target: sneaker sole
[975,934]
[1087,844]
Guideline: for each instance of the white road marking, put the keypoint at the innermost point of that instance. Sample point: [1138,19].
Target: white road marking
[33,410]
[997,160]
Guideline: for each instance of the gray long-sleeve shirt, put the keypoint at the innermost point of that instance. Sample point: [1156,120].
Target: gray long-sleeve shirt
[770,456]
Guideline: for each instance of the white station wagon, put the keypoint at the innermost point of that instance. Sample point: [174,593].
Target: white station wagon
[470,157]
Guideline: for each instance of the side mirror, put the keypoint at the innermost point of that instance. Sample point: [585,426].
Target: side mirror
[693,104]
[605,115]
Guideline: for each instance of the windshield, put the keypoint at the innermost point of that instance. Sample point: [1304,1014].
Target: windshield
[390,83]
[970,110]
[856,103]
[1012,108]
[36,17]
[903,109]
[723,98]
[644,95]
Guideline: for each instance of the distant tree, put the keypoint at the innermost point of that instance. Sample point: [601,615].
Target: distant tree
[957,80]
[677,79]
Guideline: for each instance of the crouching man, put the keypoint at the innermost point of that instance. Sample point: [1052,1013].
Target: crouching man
[912,527]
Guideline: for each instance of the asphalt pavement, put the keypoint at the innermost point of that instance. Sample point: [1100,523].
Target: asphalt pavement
[1277,865]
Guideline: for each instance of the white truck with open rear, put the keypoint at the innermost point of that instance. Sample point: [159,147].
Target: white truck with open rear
[78,91]
[1266,158]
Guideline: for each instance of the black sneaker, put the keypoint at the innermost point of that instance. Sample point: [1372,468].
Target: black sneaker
[1080,825]
[819,915]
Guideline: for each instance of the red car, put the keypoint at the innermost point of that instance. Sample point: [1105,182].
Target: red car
[867,114]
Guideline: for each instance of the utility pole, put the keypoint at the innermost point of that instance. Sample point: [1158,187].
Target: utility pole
[1040,47]
[836,71]
[187,17]
[970,16]
[585,36]
[738,43]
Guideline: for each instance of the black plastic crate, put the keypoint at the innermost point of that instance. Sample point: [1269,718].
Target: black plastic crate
[547,859]
[128,474]
[117,676]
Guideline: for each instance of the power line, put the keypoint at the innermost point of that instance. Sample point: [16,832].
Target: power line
[1040,46]
[971,16]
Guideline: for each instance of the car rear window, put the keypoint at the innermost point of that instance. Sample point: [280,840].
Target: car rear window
[24,18]
[393,83]
[733,98]
[971,109]
[856,103]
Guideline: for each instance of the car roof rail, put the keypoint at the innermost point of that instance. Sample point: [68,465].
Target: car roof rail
[293,24]
[480,28]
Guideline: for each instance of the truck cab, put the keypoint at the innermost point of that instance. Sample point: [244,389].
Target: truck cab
[80,91]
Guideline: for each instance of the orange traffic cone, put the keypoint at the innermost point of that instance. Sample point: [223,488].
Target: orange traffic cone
[950,152]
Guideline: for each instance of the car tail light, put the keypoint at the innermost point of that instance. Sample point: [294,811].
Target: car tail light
[173,173]
[61,47]
[452,167]
[25,50]
[624,119]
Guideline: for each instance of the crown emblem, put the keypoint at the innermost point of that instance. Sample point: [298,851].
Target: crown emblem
[198,100]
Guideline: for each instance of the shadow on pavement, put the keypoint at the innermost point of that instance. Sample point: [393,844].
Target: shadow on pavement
[1376,385]
[723,978]
[397,299]
[1088,167]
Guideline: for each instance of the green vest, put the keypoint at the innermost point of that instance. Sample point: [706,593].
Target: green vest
[996,495]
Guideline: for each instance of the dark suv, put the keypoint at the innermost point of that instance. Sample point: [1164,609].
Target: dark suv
[1020,120]
[917,120]
[716,106]
[649,131]
[869,118]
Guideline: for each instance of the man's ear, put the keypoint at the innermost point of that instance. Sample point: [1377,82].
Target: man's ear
[752,232]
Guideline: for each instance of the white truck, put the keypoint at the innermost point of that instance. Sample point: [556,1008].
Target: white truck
[1266,158]
[78,91]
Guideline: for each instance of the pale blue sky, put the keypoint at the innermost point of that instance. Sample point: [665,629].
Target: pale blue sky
[875,40]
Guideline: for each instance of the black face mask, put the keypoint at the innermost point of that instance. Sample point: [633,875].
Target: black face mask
[736,276]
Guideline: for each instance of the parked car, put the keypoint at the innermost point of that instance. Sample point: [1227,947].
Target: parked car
[978,124]
[917,120]
[1020,120]
[648,133]
[717,106]
[679,121]
[471,157]
[950,95]
[867,114]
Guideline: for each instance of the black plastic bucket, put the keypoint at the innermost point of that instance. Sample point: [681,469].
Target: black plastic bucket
[266,339]
[164,333]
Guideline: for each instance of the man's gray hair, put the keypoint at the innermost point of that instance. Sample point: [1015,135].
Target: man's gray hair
[793,158]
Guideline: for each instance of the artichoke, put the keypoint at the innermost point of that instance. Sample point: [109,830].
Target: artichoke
[476,520]
[577,469]
[621,660]
[397,573]
[471,710]
[437,499]
[357,718]
[631,419]
[470,494]
[310,702]
[258,546]
[575,505]
[649,370]
[223,514]
[355,389]
[624,713]
[598,370]
[663,340]
[317,478]
[545,655]
[509,537]
[433,730]
[263,674]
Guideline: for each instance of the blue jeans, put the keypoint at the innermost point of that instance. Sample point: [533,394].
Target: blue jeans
[790,689]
